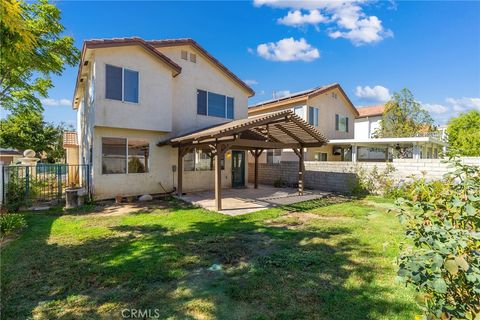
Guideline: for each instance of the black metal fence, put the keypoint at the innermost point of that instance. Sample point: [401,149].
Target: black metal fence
[43,183]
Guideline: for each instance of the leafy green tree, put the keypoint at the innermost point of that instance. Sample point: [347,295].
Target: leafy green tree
[32,48]
[26,129]
[404,117]
[464,134]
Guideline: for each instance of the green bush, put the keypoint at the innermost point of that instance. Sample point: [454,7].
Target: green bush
[442,219]
[10,223]
[372,181]
[279,183]
[15,194]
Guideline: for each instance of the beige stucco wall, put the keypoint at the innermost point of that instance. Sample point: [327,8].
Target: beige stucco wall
[167,106]
[328,107]
[154,108]
[201,75]
[71,155]
[161,160]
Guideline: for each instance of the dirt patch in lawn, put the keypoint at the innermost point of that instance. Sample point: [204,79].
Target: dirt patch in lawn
[110,208]
[234,249]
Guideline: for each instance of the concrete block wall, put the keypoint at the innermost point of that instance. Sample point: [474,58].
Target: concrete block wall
[339,176]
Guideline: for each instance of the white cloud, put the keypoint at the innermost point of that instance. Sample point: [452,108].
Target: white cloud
[364,31]
[464,104]
[288,49]
[346,18]
[56,102]
[281,94]
[374,94]
[435,108]
[251,82]
[297,18]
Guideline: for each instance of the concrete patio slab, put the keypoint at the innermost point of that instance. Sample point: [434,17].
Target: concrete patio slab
[241,201]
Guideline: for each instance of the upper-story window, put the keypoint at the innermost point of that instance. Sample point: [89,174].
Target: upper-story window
[216,105]
[341,123]
[121,84]
[313,116]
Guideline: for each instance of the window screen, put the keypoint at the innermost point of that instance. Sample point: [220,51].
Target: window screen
[341,123]
[130,86]
[230,108]
[113,77]
[114,152]
[138,153]
[201,102]
[216,105]
[313,116]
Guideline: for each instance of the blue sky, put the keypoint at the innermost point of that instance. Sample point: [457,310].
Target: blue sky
[371,48]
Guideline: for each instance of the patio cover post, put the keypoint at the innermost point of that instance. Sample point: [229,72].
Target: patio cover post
[256,154]
[220,150]
[179,171]
[301,169]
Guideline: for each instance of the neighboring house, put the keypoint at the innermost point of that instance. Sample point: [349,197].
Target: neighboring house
[131,93]
[9,156]
[327,108]
[350,130]
[366,147]
[368,121]
[70,144]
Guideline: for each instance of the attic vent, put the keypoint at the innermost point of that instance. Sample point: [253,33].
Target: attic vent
[193,57]
[184,55]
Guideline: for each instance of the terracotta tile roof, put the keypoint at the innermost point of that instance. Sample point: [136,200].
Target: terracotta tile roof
[9,152]
[119,42]
[188,41]
[70,139]
[150,47]
[269,104]
[370,111]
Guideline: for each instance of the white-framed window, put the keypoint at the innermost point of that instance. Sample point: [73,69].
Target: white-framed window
[121,84]
[274,156]
[341,123]
[122,155]
[215,105]
[199,160]
[313,116]
[320,156]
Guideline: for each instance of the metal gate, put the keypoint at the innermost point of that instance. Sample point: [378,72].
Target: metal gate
[43,184]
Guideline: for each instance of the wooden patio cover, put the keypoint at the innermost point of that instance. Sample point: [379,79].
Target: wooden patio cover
[279,130]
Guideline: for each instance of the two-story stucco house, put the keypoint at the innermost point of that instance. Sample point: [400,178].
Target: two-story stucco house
[131,93]
[349,130]
[327,108]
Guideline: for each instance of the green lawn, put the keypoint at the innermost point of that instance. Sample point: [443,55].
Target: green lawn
[314,260]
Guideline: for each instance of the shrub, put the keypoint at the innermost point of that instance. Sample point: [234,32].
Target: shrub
[15,193]
[372,181]
[443,221]
[279,183]
[10,223]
